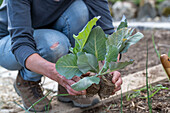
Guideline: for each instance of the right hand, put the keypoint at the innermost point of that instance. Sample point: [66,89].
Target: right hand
[39,65]
[54,75]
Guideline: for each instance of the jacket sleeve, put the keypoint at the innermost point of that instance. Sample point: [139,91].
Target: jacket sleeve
[101,8]
[20,29]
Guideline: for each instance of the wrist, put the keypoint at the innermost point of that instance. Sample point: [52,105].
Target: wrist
[38,64]
[41,66]
[49,69]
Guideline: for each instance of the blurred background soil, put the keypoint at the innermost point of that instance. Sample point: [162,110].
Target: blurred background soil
[138,51]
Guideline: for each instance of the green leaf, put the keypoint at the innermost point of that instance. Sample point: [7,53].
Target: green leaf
[1,2]
[112,53]
[123,23]
[71,50]
[113,66]
[130,41]
[129,34]
[96,43]
[76,48]
[87,62]
[169,53]
[156,50]
[117,37]
[67,66]
[111,56]
[85,83]
[83,35]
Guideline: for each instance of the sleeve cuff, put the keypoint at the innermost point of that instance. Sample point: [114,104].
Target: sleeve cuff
[22,53]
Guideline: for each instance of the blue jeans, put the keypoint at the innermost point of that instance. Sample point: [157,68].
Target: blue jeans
[71,22]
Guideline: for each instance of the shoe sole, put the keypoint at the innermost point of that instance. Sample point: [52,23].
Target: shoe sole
[19,94]
[68,100]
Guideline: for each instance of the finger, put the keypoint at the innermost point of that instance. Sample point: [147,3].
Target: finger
[76,78]
[68,86]
[119,82]
[117,89]
[85,75]
[116,76]
[70,82]
[68,89]
[73,91]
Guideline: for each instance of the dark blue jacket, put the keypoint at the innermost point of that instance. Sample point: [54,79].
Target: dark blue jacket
[26,15]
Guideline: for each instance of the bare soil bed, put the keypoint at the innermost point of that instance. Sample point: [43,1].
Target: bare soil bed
[161,100]
[138,51]
[160,103]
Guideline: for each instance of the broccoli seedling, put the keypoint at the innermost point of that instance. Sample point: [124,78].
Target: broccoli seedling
[93,46]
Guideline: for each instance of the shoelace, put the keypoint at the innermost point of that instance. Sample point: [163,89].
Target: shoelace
[36,89]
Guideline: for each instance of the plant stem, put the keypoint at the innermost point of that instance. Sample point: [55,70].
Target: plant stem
[27,110]
[100,74]
[38,101]
[148,97]
[158,53]
[121,102]
[21,107]
[106,73]
[103,68]
[153,41]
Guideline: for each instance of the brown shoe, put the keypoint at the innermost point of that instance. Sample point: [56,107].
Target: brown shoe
[79,101]
[30,93]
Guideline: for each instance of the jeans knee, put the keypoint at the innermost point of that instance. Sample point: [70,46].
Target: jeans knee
[51,44]
[56,51]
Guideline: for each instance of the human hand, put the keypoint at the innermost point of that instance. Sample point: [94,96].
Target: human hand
[39,65]
[117,80]
[66,83]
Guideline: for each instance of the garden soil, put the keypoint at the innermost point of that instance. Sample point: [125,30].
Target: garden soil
[160,103]
[138,51]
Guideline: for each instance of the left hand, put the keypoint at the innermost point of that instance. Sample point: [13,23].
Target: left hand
[117,80]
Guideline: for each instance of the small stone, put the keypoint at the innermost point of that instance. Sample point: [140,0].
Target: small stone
[149,19]
[146,11]
[164,8]
[128,9]
[156,19]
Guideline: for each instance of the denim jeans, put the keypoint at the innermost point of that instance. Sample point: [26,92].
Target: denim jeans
[71,22]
